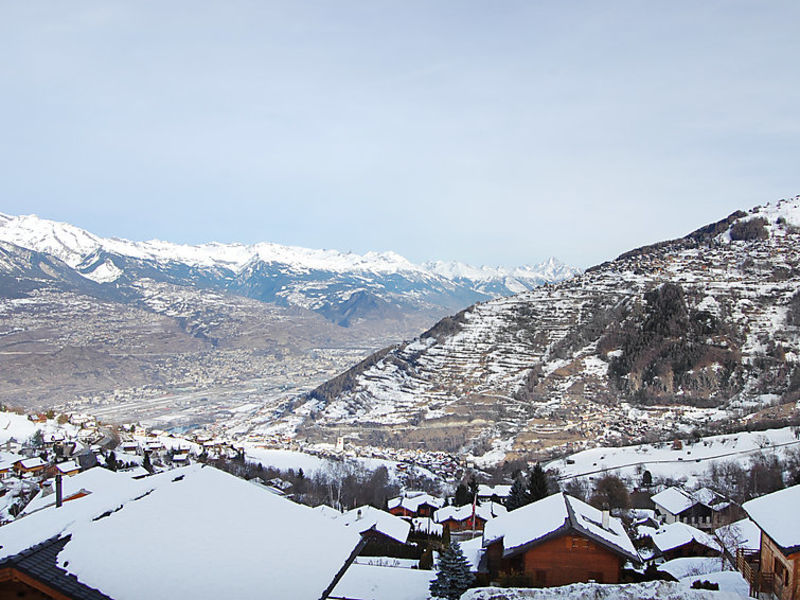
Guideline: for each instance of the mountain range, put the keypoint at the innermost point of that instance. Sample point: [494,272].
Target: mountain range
[90,321]
[345,288]
[700,332]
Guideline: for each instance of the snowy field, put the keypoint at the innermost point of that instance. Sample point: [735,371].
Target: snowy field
[689,462]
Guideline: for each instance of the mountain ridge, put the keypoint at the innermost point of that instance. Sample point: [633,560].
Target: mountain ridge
[673,334]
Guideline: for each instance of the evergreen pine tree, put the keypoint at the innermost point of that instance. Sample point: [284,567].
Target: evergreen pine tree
[473,488]
[446,536]
[537,485]
[518,496]
[111,461]
[462,496]
[146,464]
[453,575]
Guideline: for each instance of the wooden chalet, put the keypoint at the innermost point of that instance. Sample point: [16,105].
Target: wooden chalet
[777,573]
[464,518]
[33,466]
[555,541]
[703,509]
[415,504]
[679,540]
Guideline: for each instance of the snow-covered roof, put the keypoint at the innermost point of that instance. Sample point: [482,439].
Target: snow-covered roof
[32,463]
[676,500]
[68,466]
[95,480]
[365,518]
[7,460]
[427,525]
[678,534]
[776,515]
[673,499]
[501,490]
[473,551]
[368,582]
[412,503]
[744,534]
[198,533]
[485,511]
[552,516]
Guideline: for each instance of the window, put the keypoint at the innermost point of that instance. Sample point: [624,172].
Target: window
[596,576]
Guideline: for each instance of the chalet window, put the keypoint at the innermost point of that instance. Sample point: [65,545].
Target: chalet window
[596,576]
[540,578]
[576,543]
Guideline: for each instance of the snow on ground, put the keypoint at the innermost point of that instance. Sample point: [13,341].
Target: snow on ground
[20,428]
[383,583]
[286,459]
[662,461]
[728,581]
[388,561]
[651,590]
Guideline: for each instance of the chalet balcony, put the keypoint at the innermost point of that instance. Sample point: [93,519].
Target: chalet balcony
[770,587]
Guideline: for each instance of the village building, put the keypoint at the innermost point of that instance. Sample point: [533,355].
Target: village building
[704,509]
[497,493]
[381,528]
[778,572]
[414,504]
[679,540]
[465,518]
[555,541]
[194,532]
[30,466]
[67,468]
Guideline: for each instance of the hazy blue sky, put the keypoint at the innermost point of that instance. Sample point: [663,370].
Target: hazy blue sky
[489,132]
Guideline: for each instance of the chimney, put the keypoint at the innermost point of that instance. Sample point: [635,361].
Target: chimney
[59,492]
[606,517]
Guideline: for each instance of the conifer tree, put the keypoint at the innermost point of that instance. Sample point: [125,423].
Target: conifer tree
[518,496]
[538,487]
[462,496]
[453,575]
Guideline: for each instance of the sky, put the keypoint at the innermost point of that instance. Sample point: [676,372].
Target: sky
[494,133]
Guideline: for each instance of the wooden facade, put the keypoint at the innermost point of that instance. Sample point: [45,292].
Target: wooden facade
[779,574]
[692,548]
[567,558]
[465,524]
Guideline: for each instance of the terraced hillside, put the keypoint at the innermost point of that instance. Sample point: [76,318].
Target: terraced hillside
[672,335]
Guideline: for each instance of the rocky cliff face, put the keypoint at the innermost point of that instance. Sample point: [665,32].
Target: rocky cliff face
[676,334]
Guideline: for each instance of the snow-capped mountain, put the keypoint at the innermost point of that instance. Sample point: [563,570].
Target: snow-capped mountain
[344,287]
[675,335]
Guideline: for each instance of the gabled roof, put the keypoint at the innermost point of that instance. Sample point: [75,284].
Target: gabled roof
[485,511]
[501,490]
[412,503]
[676,500]
[550,517]
[776,514]
[679,534]
[364,518]
[40,563]
[197,533]
[673,499]
[32,463]
[744,533]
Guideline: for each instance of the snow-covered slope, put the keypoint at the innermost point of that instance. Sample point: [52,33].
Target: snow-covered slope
[672,335]
[343,286]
